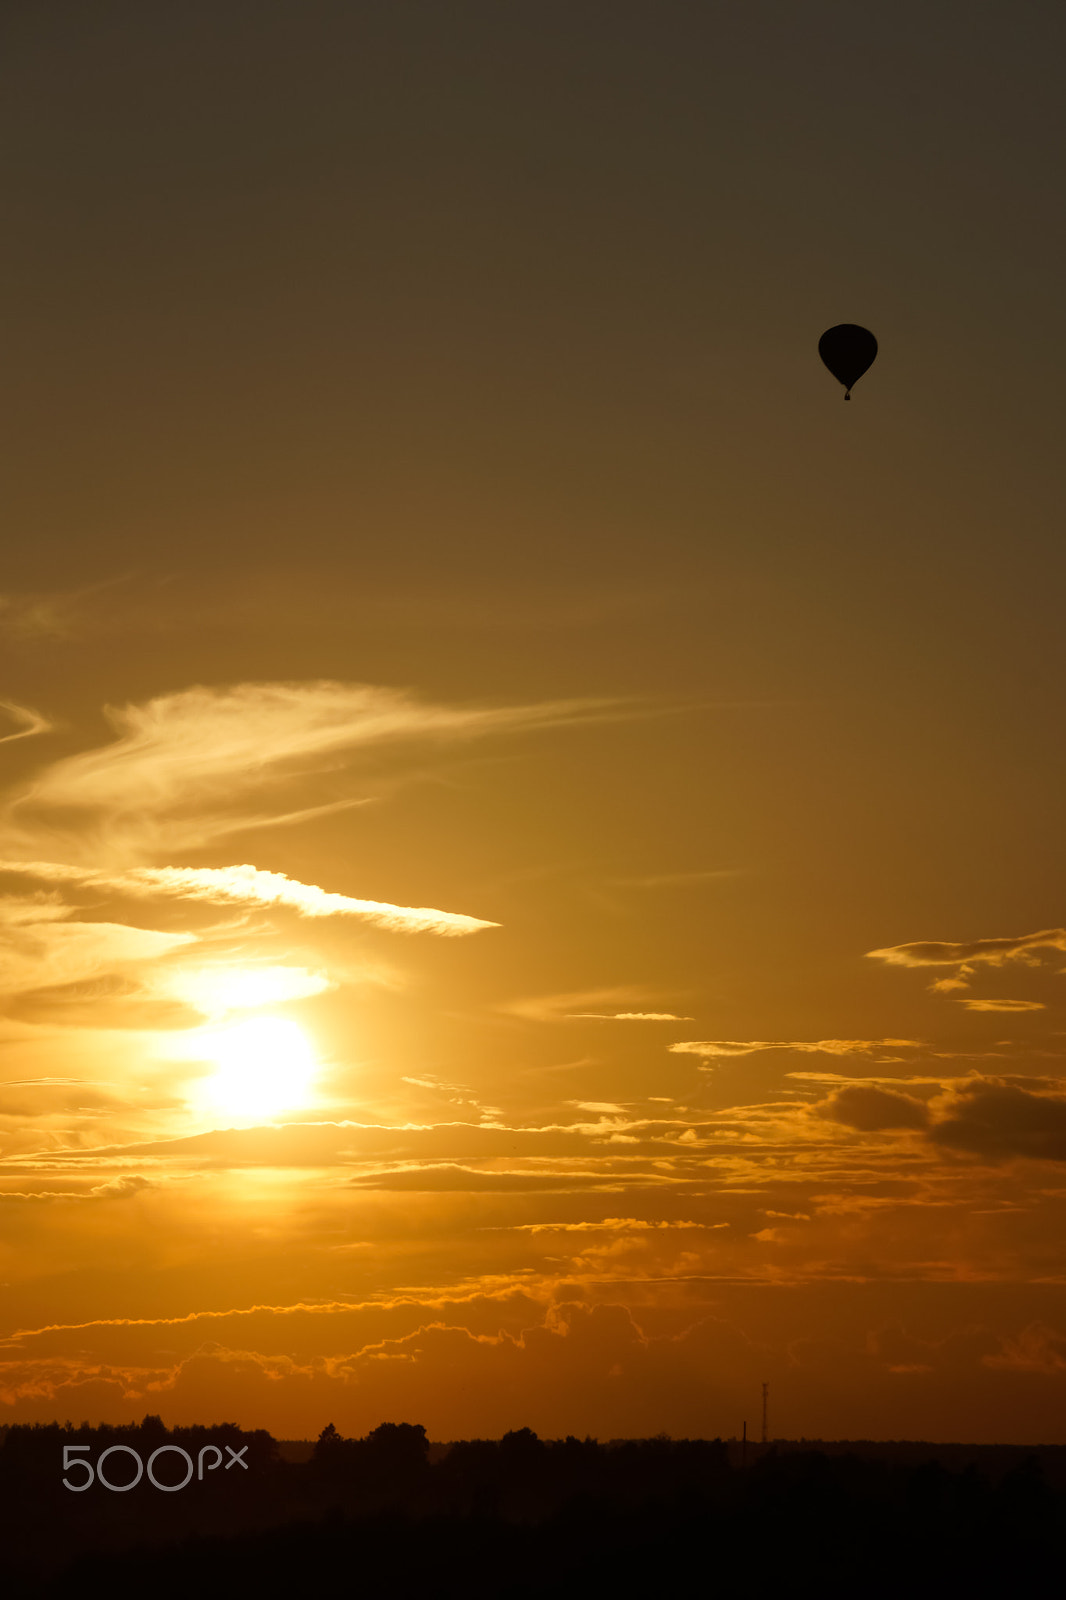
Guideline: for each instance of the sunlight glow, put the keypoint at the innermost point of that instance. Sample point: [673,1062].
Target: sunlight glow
[229,987]
[265,1065]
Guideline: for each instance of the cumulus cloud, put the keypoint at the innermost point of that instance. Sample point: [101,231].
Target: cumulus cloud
[247,885]
[999,1120]
[121,1188]
[714,1049]
[872,1110]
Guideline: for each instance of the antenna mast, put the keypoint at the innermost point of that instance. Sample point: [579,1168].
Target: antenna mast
[765,1392]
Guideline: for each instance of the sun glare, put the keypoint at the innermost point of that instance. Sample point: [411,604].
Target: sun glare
[226,987]
[264,1066]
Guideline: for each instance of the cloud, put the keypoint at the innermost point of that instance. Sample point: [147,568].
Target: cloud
[450,1176]
[1000,1120]
[121,1188]
[107,1000]
[625,1016]
[114,1189]
[841,1078]
[872,1110]
[39,949]
[35,616]
[719,1048]
[179,773]
[182,766]
[568,1007]
[56,613]
[1036,1348]
[1002,1005]
[455,1094]
[610,1225]
[250,886]
[28,721]
[572,1361]
[991,952]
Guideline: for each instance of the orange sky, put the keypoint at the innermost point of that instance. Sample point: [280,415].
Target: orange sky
[531,843]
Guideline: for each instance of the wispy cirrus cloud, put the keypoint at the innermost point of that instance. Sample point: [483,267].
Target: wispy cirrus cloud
[27,721]
[35,616]
[612,1225]
[992,952]
[60,613]
[1002,1005]
[625,1016]
[713,1049]
[181,769]
[840,1078]
[965,957]
[187,768]
[40,946]
[113,1189]
[570,1007]
[250,886]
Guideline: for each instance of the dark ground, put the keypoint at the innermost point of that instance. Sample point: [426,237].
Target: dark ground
[391,1515]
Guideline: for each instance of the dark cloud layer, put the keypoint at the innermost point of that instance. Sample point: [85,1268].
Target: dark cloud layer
[999,1121]
[870,1110]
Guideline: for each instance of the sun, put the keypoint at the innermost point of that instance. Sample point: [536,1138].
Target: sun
[264,1065]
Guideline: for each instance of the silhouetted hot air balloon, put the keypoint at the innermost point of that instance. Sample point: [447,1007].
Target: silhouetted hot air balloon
[847,351]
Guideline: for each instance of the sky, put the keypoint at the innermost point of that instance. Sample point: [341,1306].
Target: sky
[531,853]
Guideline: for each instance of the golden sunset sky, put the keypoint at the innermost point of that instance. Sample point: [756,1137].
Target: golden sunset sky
[532,834]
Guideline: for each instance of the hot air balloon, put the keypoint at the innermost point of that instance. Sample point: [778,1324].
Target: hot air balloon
[847,351]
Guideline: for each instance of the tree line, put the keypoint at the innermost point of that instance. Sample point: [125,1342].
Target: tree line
[520,1516]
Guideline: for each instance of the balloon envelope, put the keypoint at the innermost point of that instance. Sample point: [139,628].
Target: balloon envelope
[847,351]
